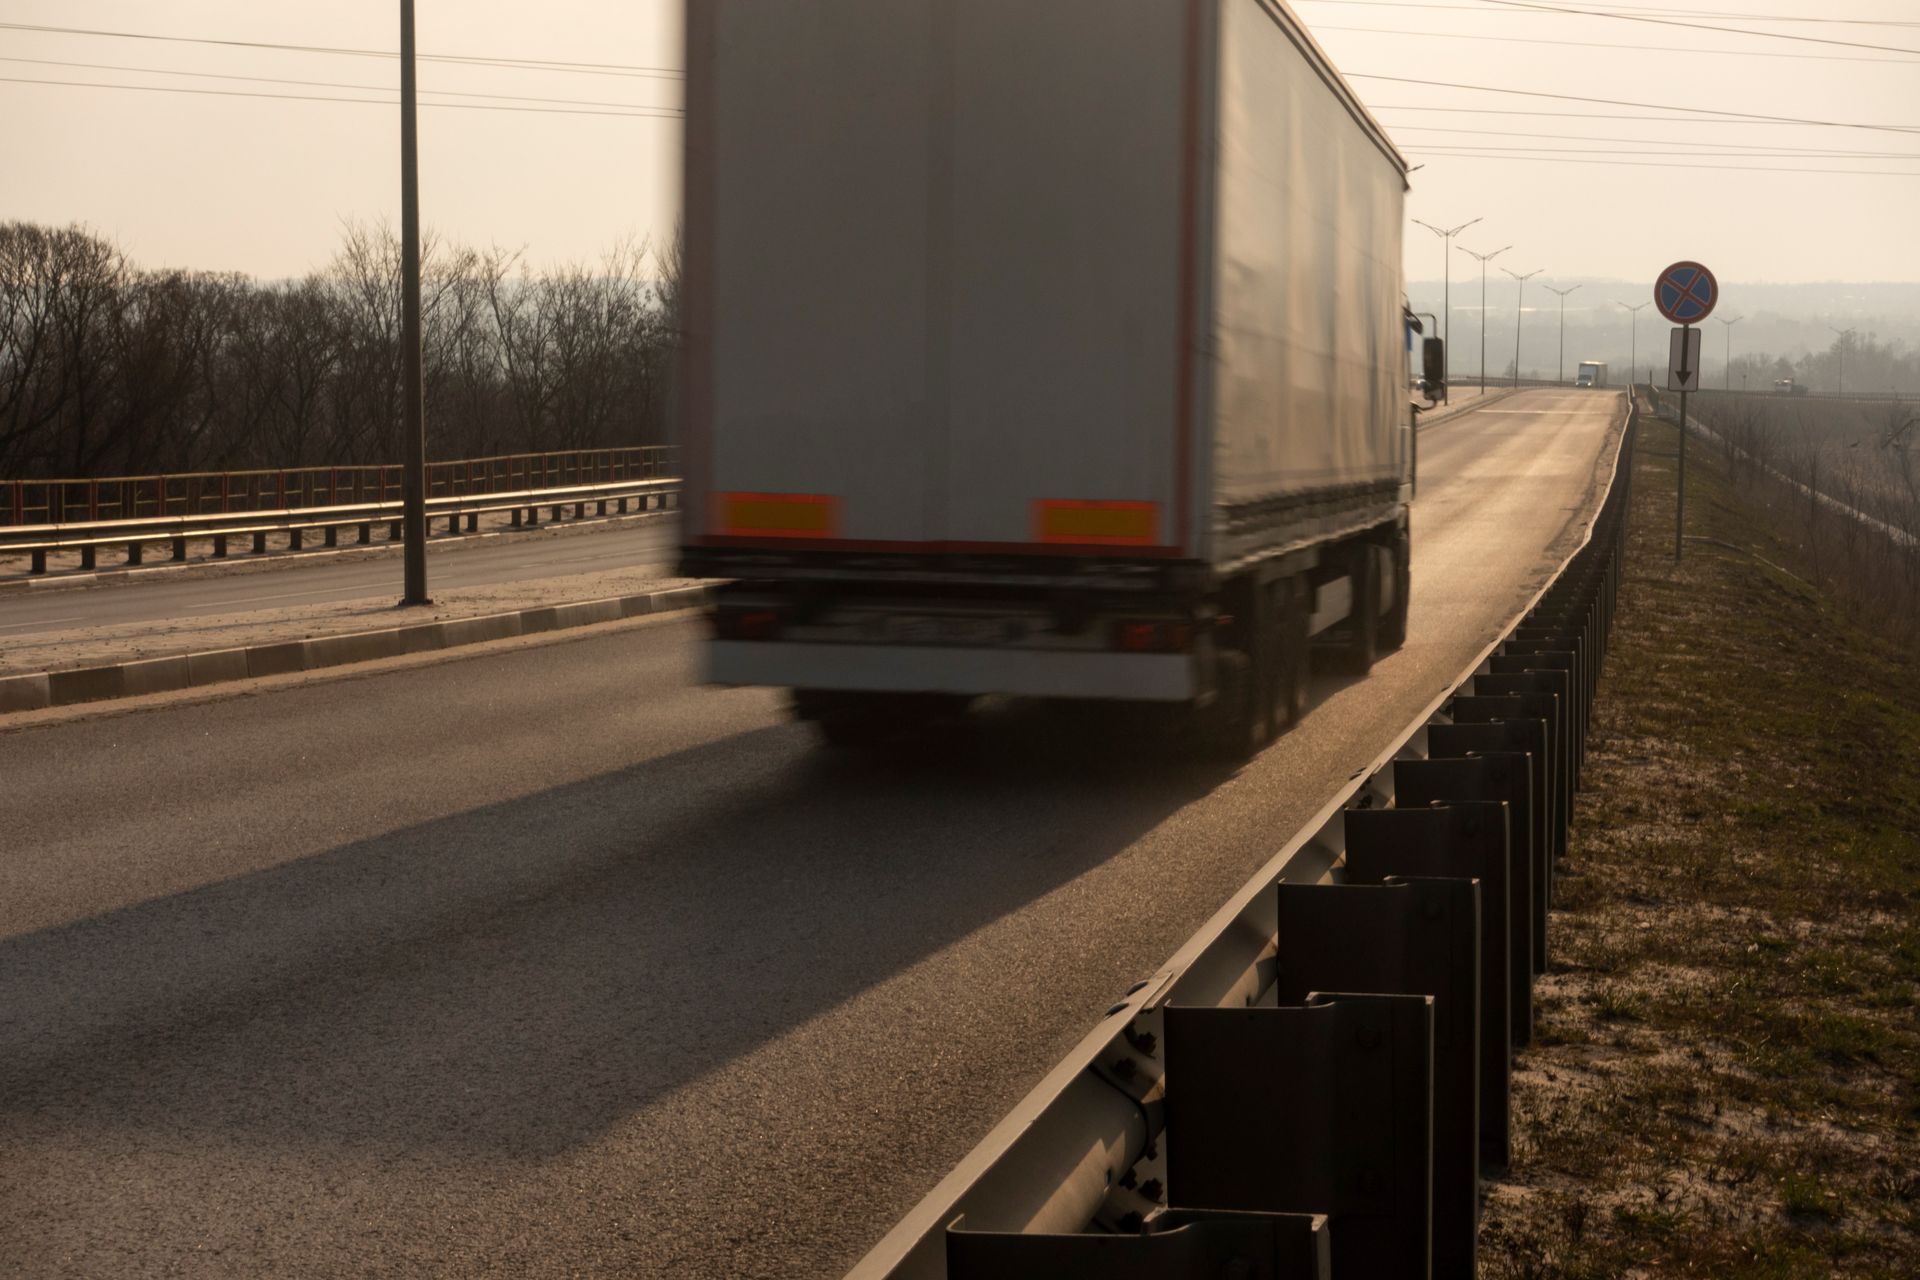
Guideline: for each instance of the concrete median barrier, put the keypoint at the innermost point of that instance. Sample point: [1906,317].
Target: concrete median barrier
[39,690]
[24,693]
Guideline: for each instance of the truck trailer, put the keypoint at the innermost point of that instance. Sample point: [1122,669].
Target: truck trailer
[1593,373]
[1046,348]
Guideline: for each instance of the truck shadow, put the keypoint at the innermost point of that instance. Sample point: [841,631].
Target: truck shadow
[515,979]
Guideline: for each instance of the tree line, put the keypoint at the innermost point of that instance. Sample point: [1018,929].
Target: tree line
[110,369]
[1860,364]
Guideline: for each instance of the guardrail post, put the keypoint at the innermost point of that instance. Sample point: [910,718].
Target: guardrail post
[39,560]
[473,522]
[333,535]
[260,543]
[393,531]
[88,556]
[366,532]
[516,517]
[219,546]
[1498,778]
[179,548]
[1465,839]
[1173,1244]
[1406,937]
[134,551]
[1325,1108]
[1547,685]
[294,540]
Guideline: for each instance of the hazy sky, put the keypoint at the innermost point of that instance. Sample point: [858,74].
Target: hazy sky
[261,185]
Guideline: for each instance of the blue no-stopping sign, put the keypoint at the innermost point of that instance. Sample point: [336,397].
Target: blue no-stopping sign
[1686,292]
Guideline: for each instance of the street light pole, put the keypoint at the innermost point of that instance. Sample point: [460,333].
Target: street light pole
[413,427]
[1633,341]
[1726,382]
[1840,354]
[1484,259]
[1563,332]
[1446,297]
[1519,301]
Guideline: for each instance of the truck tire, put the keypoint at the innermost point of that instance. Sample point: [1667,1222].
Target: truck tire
[1296,648]
[1393,626]
[1363,625]
[1234,725]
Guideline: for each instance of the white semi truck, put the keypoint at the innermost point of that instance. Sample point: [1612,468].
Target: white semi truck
[1041,348]
[1593,373]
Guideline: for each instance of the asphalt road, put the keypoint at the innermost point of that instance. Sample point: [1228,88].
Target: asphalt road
[548,961]
[318,579]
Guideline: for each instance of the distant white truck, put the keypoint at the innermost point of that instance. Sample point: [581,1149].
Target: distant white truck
[1036,350]
[1593,373]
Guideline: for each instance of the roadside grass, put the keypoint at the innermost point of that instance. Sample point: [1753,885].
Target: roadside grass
[1725,1079]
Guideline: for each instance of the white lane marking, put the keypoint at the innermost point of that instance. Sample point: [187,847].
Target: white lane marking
[1531,413]
[281,595]
[44,622]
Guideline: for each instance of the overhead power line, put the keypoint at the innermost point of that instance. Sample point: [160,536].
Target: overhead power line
[1691,164]
[1585,137]
[528,64]
[1635,48]
[1532,6]
[636,113]
[332,84]
[1662,10]
[1645,106]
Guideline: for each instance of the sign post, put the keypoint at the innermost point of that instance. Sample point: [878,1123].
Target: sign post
[1685,294]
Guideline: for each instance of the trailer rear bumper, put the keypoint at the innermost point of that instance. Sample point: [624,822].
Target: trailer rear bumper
[1147,677]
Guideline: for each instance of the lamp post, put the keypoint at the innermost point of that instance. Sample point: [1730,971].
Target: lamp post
[1563,333]
[1726,383]
[1633,341]
[1840,354]
[1446,295]
[1519,299]
[1484,259]
[413,488]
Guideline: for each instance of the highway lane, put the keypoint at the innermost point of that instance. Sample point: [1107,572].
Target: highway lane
[319,579]
[548,961]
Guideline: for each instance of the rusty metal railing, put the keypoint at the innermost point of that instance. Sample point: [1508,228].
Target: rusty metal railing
[64,501]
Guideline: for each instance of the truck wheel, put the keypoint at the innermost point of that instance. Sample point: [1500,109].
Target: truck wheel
[1232,726]
[1393,627]
[1363,625]
[1296,672]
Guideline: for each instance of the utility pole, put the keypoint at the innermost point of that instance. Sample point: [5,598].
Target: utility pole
[1726,381]
[1519,299]
[413,425]
[1563,332]
[1840,354]
[1633,344]
[1484,259]
[1446,297]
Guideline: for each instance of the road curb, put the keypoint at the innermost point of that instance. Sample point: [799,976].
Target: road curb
[43,689]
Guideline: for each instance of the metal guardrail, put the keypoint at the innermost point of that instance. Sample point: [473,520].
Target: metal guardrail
[37,542]
[1312,1084]
[28,502]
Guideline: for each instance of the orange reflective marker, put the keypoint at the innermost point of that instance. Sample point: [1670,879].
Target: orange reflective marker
[1118,524]
[778,515]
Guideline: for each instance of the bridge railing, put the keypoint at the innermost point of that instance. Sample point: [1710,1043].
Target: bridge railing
[67,501]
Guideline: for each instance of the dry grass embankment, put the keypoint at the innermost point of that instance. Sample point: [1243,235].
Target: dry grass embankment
[1726,1074]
